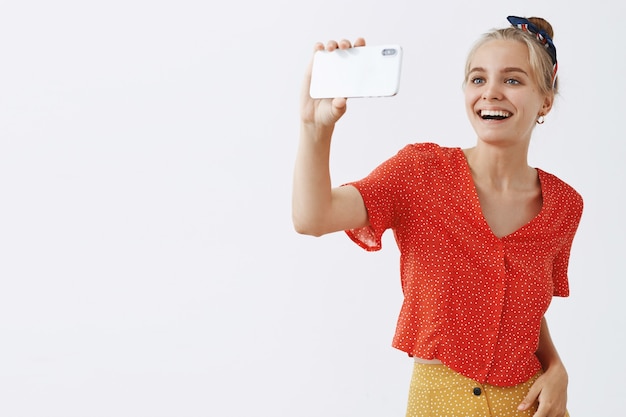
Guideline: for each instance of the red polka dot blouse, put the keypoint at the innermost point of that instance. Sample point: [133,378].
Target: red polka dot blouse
[471,299]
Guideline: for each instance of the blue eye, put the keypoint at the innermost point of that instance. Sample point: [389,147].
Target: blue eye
[512,81]
[477,80]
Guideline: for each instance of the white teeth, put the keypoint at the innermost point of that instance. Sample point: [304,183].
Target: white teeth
[494,113]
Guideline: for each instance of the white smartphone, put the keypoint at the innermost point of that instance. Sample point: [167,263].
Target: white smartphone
[364,71]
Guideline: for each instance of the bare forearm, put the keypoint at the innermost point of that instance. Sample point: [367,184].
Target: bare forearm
[318,208]
[311,198]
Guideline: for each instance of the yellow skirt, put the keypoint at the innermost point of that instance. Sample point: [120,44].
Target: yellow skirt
[438,391]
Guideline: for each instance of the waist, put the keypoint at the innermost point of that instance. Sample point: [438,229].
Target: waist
[427,361]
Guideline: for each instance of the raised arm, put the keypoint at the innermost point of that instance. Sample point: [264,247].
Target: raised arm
[317,207]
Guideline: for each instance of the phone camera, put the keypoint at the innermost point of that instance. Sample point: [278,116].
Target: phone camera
[389,51]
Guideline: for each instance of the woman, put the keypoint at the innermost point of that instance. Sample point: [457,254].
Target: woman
[484,238]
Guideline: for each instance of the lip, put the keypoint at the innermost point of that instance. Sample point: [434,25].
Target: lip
[493,109]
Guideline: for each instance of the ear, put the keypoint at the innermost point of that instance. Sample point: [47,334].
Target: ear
[548,101]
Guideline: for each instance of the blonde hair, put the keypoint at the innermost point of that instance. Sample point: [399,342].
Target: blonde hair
[540,60]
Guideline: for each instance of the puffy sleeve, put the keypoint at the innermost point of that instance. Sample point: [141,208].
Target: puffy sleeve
[385,192]
[561,261]
[559,272]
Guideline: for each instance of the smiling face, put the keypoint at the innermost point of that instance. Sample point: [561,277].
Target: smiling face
[502,97]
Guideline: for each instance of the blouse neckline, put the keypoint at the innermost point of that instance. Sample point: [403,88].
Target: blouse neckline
[478,208]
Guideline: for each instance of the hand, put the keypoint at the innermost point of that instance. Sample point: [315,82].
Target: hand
[324,112]
[550,390]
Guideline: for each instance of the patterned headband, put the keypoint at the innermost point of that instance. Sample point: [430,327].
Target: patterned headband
[541,35]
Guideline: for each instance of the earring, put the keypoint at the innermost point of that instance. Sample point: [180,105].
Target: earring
[541,119]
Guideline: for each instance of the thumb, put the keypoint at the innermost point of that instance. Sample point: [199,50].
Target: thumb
[340,103]
[339,106]
[531,397]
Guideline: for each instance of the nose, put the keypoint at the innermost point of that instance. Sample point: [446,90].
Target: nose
[492,91]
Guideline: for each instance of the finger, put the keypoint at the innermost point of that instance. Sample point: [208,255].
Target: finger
[339,107]
[548,408]
[344,44]
[541,411]
[359,42]
[332,45]
[319,46]
[340,103]
[531,397]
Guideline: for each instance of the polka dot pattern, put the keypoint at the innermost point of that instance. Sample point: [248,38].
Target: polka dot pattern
[471,299]
[438,391]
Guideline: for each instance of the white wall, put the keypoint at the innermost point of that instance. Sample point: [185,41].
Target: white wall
[148,266]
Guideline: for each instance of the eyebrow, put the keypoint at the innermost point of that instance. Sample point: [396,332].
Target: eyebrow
[505,70]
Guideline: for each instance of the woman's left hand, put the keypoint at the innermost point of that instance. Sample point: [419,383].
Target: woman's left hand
[550,391]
